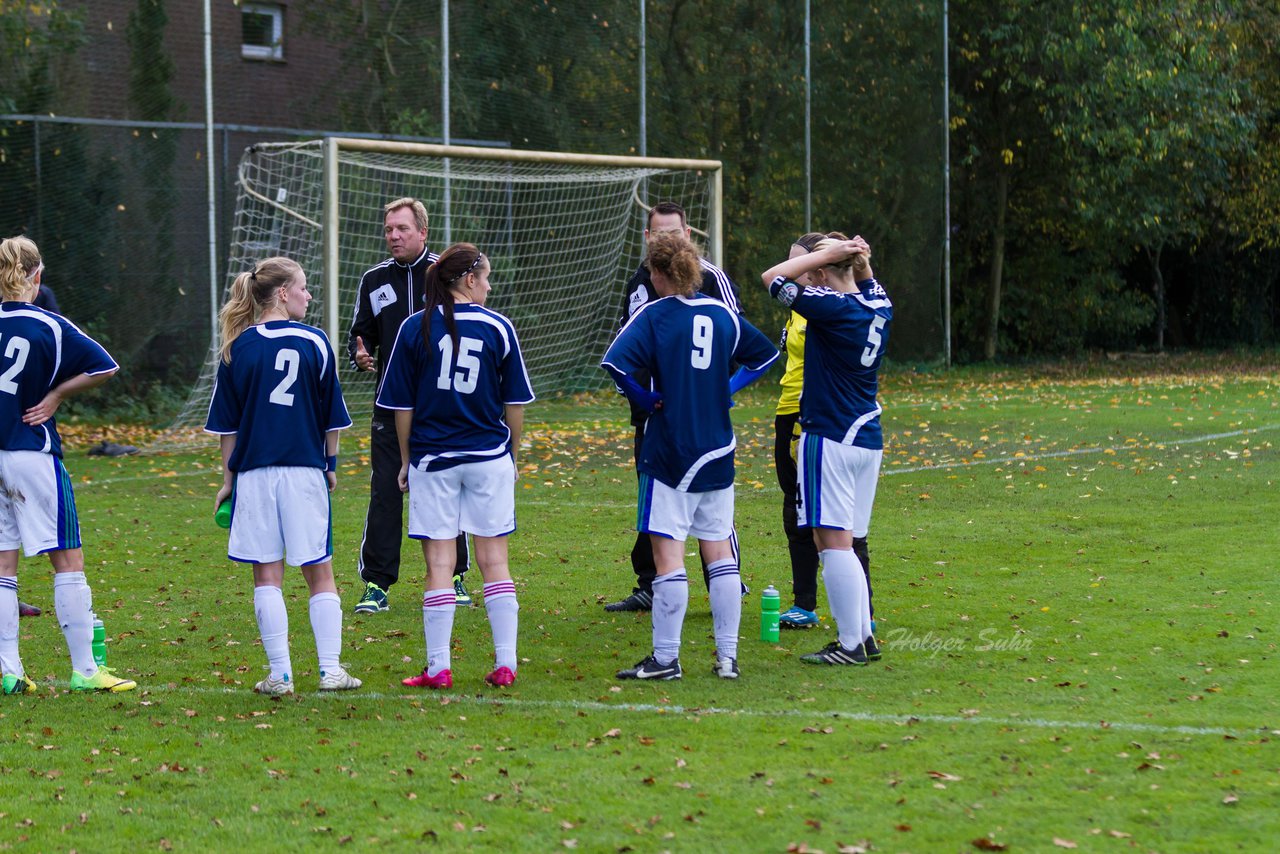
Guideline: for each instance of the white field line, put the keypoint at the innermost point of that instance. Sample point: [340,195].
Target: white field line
[884,472]
[812,715]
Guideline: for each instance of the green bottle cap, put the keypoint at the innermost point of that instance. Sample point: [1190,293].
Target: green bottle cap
[223,516]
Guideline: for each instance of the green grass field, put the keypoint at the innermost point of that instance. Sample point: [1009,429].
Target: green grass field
[1075,584]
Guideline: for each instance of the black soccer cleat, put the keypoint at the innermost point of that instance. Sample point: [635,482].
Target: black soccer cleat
[871,648]
[638,601]
[834,653]
[651,669]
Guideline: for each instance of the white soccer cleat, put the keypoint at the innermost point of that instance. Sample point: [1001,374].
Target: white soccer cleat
[726,668]
[273,687]
[338,680]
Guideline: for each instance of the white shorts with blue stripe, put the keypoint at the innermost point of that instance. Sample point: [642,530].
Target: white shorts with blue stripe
[37,505]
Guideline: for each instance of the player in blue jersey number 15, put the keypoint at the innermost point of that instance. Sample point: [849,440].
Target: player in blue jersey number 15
[44,358]
[458,385]
[278,409]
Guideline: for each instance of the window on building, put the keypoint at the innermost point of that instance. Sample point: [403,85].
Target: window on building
[262,31]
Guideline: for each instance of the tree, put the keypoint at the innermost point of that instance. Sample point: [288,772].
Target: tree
[1152,114]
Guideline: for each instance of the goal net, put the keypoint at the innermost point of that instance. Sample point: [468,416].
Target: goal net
[562,232]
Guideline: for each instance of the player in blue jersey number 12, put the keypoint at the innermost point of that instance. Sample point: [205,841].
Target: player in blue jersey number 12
[45,359]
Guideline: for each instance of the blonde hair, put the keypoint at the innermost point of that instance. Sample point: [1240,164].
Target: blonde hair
[677,259]
[251,294]
[19,262]
[856,263]
[418,208]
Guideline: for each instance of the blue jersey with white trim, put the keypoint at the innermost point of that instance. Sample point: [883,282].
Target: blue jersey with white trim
[39,350]
[457,394]
[844,344]
[688,346]
[279,395]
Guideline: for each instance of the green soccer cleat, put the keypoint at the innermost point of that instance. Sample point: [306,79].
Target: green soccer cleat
[460,594]
[17,684]
[373,600]
[103,680]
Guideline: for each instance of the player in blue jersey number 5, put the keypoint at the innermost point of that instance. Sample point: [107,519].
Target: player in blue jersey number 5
[43,359]
[278,409]
[687,343]
[458,384]
[841,444]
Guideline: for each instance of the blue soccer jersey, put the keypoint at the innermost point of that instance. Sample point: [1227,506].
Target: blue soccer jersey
[457,394]
[844,343]
[279,396]
[688,346]
[39,350]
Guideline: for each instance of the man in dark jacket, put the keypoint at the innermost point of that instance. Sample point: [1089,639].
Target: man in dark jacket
[389,292]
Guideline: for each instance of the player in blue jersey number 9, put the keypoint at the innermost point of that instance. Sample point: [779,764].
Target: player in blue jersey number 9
[278,409]
[458,385]
[43,359]
[687,343]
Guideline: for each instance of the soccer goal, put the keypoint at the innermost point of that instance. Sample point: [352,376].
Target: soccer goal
[562,231]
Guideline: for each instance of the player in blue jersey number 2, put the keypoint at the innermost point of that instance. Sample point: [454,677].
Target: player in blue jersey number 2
[458,385]
[44,359]
[687,344]
[841,444]
[278,409]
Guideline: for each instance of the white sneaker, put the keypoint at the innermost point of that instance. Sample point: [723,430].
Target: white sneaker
[726,668]
[275,687]
[338,680]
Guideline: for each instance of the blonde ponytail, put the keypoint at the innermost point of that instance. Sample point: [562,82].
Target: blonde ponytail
[19,261]
[251,294]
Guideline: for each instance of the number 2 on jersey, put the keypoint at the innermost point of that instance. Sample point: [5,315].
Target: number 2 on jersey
[287,361]
[700,358]
[468,374]
[17,349]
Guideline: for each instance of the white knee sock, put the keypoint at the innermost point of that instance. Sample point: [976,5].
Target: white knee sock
[10,663]
[726,605]
[273,626]
[326,624]
[670,601]
[73,602]
[504,618]
[846,595]
[438,607]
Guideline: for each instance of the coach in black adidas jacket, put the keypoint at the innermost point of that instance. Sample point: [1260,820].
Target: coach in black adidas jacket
[389,292]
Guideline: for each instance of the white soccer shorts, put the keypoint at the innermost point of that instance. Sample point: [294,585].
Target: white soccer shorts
[837,484]
[280,511]
[37,506]
[479,498]
[669,512]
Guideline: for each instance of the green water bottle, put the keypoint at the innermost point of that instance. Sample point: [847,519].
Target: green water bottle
[99,643]
[223,516]
[770,603]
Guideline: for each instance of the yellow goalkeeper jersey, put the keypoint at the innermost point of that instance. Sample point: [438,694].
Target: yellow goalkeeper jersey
[793,378]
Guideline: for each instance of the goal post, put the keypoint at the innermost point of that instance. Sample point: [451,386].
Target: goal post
[563,232]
